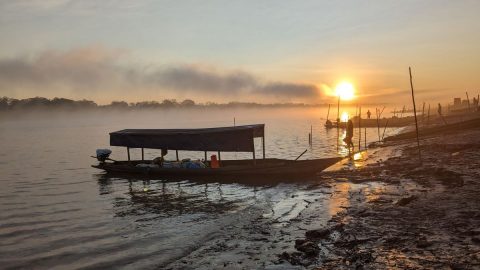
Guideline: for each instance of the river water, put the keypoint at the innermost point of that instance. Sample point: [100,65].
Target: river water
[56,212]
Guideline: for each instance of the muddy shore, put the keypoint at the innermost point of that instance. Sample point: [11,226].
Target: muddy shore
[384,210]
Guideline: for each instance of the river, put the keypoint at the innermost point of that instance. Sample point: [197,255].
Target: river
[56,212]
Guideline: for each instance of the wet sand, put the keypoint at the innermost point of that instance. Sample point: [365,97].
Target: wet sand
[382,210]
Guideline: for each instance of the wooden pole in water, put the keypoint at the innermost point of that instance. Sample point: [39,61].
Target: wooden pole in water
[415,114]
[468,100]
[365,138]
[378,123]
[338,121]
[423,112]
[360,128]
[263,145]
[311,134]
[328,112]
[428,115]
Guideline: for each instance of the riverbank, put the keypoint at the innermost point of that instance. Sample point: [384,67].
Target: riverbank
[382,210]
[422,216]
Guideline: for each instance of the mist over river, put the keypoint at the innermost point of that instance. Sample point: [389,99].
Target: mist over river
[56,212]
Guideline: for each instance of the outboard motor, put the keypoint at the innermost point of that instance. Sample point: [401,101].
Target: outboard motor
[103,154]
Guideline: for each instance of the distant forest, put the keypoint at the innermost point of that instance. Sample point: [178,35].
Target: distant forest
[41,103]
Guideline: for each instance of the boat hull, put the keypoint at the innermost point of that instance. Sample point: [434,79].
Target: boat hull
[230,170]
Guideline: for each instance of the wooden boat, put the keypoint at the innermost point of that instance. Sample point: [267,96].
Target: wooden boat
[382,122]
[239,139]
[232,170]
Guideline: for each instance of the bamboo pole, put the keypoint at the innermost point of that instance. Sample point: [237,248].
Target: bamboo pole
[263,145]
[328,112]
[423,112]
[386,124]
[415,114]
[311,134]
[365,138]
[360,128]
[428,115]
[378,123]
[338,121]
[468,100]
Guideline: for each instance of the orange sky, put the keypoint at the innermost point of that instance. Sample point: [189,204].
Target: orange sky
[272,51]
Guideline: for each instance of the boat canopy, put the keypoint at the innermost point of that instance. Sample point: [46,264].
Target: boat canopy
[230,139]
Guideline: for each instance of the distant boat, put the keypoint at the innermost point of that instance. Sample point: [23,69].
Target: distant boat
[330,124]
[226,139]
[372,122]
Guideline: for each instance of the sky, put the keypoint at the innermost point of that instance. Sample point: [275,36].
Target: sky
[251,51]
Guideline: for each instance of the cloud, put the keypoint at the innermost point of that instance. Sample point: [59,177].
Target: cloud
[280,89]
[97,70]
[192,78]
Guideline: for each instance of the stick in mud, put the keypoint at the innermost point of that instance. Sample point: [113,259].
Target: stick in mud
[386,124]
[415,114]
[379,114]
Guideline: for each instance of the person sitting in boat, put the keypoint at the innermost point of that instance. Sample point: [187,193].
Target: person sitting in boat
[349,136]
[159,160]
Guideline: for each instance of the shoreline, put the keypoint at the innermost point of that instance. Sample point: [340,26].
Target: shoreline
[378,211]
[420,217]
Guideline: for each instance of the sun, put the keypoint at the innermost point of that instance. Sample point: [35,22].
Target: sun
[345,91]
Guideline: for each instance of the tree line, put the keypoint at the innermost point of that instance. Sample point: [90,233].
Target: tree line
[41,103]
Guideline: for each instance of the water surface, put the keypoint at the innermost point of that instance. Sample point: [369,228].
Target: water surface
[59,213]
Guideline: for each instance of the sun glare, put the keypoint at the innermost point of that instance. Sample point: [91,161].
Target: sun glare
[345,91]
[344,117]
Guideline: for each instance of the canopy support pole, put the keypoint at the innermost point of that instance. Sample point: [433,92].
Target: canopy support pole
[143,156]
[219,156]
[205,155]
[263,145]
[176,152]
[254,160]
[128,153]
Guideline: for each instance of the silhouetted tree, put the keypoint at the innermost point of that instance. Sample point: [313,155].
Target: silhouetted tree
[188,103]
[169,103]
[118,105]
